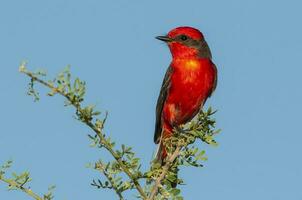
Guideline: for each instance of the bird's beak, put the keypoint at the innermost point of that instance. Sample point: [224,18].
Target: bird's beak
[164,38]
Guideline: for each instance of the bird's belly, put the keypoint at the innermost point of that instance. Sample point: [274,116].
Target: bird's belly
[191,83]
[184,101]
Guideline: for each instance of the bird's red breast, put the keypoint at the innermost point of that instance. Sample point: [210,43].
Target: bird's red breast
[192,81]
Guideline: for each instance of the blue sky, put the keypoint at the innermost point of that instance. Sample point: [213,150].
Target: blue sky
[256,46]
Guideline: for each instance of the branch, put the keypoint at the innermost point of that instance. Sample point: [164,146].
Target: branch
[14,184]
[101,168]
[88,121]
[118,159]
[178,147]
[165,169]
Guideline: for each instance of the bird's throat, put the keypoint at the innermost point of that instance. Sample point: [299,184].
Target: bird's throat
[180,51]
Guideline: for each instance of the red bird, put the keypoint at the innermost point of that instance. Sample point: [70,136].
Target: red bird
[190,79]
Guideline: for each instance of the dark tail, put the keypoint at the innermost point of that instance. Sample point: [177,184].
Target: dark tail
[161,154]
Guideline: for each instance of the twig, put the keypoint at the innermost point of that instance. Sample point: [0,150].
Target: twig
[118,159]
[78,108]
[102,170]
[165,169]
[28,191]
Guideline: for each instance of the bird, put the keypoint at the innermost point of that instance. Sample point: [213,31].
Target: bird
[189,81]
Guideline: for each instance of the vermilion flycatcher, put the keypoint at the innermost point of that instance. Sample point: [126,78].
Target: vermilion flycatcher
[190,79]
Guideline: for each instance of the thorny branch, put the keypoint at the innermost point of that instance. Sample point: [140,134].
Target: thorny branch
[14,184]
[88,122]
[165,169]
[102,169]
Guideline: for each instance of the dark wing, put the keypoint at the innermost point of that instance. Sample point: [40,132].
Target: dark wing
[215,80]
[160,104]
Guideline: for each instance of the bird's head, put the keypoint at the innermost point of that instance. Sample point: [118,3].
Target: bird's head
[186,42]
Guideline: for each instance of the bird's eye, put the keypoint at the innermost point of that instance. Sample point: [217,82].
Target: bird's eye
[183,38]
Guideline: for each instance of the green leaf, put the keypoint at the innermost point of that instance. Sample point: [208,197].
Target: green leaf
[174,191]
